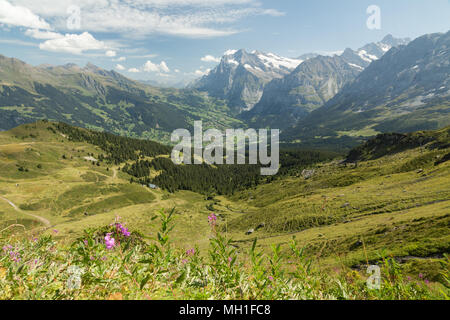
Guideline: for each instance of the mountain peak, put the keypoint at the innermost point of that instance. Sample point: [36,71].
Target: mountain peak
[97,70]
[91,67]
[393,42]
[388,38]
[230,52]
[71,66]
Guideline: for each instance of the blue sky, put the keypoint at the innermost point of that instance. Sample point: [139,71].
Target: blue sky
[168,40]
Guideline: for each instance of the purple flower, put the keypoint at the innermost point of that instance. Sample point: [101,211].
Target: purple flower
[15,256]
[420,275]
[409,278]
[212,219]
[270,278]
[426,281]
[190,252]
[85,242]
[7,248]
[230,259]
[184,261]
[109,242]
[55,231]
[122,229]
[125,232]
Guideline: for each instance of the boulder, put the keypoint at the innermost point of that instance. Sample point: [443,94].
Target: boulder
[308,174]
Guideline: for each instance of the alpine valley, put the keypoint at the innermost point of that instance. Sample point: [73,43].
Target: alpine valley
[92,206]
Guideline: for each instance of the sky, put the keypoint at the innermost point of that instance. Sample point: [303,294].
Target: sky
[170,41]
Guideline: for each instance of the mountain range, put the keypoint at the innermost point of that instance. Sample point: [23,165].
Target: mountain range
[408,89]
[313,83]
[334,100]
[95,98]
[253,83]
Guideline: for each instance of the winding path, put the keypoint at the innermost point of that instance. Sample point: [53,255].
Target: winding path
[41,219]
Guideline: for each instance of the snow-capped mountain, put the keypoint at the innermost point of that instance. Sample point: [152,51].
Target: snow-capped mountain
[241,76]
[305,89]
[364,56]
[313,83]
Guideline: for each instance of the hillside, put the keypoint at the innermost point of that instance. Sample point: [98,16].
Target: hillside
[394,203]
[92,97]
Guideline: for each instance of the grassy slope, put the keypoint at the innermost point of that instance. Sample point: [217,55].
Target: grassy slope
[345,215]
[63,190]
[353,214]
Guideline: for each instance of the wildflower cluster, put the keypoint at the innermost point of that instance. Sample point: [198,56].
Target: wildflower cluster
[13,255]
[121,229]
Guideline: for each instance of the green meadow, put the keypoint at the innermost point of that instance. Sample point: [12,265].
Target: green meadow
[314,237]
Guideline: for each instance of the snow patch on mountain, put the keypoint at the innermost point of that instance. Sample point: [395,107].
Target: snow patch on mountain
[274,61]
[355,66]
[366,56]
[230,52]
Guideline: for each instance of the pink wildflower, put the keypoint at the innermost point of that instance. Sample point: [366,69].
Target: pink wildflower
[212,219]
[109,242]
[15,256]
[123,230]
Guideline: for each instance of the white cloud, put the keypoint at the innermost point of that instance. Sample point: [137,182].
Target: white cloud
[152,67]
[164,67]
[210,58]
[120,67]
[73,43]
[43,35]
[185,18]
[18,42]
[133,70]
[20,16]
[143,56]
[120,59]
[110,53]
[202,73]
